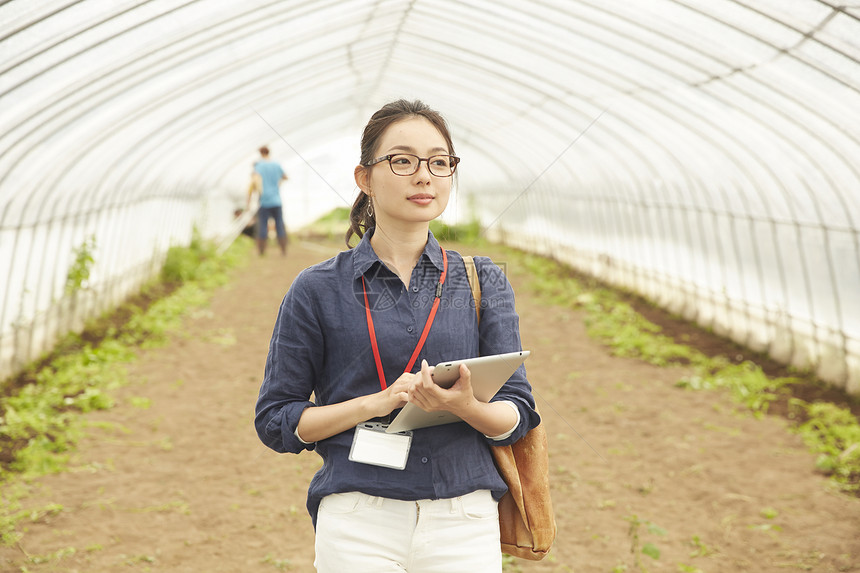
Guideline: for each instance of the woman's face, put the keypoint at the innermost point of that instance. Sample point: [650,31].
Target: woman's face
[417,198]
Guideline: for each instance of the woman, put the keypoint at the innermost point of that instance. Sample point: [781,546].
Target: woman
[350,332]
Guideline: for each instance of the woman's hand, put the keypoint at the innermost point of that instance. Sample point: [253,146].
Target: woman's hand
[493,419]
[429,396]
[394,396]
[321,422]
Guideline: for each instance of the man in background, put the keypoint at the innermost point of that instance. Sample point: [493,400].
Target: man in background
[268,176]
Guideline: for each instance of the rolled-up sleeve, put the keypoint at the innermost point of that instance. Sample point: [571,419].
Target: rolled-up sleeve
[499,333]
[296,352]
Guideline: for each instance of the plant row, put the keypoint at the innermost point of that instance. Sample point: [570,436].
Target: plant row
[40,422]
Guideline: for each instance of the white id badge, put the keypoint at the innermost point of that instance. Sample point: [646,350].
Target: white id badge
[371,445]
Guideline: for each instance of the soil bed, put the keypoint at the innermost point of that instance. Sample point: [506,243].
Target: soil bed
[174,478]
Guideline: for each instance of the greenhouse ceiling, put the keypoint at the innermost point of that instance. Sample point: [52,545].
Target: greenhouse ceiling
[179,90]
[115,116]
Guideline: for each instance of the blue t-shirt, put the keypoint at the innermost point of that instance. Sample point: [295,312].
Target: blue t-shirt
[320,346]
[271,173]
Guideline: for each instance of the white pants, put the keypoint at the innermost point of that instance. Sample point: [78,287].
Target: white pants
[360,533]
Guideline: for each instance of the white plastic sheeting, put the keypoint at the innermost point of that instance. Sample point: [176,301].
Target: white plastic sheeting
[705,153]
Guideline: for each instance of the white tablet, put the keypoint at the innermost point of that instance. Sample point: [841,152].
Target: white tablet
[489,373]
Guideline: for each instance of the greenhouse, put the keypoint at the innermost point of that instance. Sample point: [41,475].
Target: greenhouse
[703,154]
[670,187]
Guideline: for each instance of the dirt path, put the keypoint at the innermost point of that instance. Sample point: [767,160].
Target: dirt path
[175,479]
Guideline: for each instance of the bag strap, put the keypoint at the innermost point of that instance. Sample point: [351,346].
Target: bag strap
[474,283]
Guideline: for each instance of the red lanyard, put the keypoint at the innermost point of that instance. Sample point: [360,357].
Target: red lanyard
[427,325]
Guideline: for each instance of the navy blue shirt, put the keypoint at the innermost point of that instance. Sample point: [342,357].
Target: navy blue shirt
[321,346]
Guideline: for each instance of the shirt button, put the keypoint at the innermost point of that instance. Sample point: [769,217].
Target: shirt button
[415,289]
[424,460]
[408,329]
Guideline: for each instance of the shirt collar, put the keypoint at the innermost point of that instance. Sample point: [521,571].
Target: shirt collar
[364,257]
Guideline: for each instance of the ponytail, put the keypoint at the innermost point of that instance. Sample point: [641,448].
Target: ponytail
[361,218]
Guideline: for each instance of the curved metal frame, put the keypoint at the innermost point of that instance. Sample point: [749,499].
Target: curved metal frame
[646,160]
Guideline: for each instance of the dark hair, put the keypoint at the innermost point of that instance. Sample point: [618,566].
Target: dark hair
[359,219]
[264,150]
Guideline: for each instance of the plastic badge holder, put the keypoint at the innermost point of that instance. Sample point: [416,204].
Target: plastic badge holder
[372,445]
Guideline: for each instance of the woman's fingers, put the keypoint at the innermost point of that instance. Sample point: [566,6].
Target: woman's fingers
[465,379]
[427,395]
[425,375]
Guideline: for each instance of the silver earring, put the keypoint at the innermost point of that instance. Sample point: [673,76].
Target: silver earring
[369,208]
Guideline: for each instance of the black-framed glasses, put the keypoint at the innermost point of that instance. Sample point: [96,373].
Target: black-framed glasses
[405,164]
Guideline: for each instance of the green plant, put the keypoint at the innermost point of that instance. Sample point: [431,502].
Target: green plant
[41,423]
[648,548]
[12,514]
[747,383]
[462,233]
[618,325]
[58,555]
[699,548]
[189,263]
[834,434]
[79,272]
[282,564]
[829,430]
[135,559]
[769,513]
[140,402]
